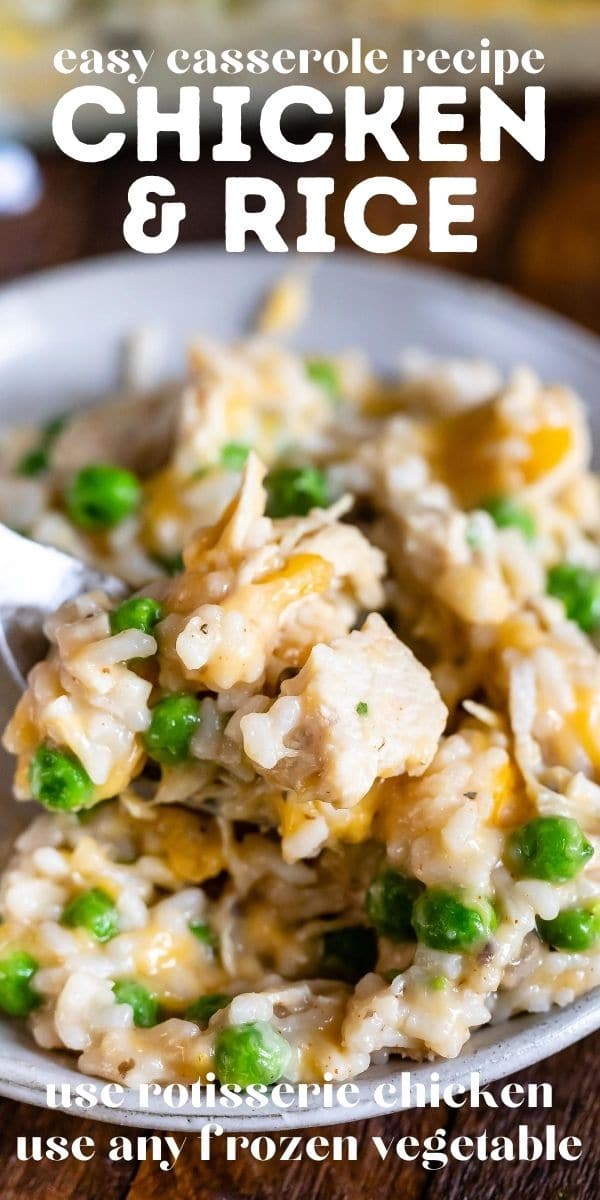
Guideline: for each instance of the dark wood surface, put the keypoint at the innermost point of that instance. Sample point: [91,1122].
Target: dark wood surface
[537,223]
[539,233]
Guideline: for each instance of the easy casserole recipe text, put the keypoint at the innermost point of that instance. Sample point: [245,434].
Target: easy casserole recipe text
[326,787]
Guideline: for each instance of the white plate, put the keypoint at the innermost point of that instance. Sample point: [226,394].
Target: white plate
[61,342]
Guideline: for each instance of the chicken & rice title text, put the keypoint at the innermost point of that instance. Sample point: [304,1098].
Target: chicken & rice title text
[255,204]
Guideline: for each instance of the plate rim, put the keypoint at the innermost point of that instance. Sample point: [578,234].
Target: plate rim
[560,1028]
[494,294]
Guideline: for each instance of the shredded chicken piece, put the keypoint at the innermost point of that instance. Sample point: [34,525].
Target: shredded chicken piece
[257,593]
[360,709]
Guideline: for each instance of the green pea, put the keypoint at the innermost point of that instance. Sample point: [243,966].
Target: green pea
[95,911]
[233,455]
[33,462]
[145,1006]
[445,920]
[203,932]
[323,372]
[573,928]
[38,459]
[140,612]
[52,428]
[349,953]
[172,726]
[58,780]
[551,848]
[251,1053]
[293,491]
[101,496]
[205,1007]
[362,708]
[389,904]
[17,997]
[578,589]
[506,513]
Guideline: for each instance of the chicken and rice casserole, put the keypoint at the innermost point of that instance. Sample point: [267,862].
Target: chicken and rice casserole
[325,787]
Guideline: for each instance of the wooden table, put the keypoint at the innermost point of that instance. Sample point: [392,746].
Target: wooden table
[539,233]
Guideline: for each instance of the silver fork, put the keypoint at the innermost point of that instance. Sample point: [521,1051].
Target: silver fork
[34,581]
